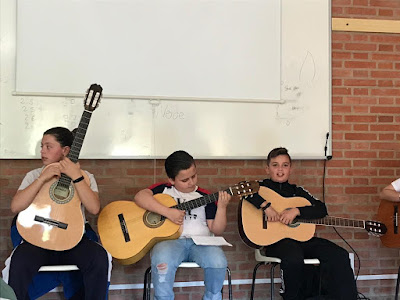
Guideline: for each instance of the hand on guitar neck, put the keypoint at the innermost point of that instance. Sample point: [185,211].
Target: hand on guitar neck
[72,170]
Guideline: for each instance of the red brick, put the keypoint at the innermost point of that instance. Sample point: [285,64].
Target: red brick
[359,82]
[360,136]
[360,118]
[386,65]
[385,74]
[361,190]
[359,64]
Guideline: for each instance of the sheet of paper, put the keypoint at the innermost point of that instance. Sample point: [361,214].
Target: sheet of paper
[210,241]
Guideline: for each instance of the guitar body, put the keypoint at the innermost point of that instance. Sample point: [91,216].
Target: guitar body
[54,219]
[388,214]
[252,226]
[128,231]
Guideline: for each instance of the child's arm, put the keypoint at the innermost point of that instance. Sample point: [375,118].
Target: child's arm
[218,224]
[389,193]
[317,209]
[256,199]
[145,200]
[23,198]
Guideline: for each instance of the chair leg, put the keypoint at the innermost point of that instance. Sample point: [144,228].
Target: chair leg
[320,280]
[147,284]
[273,265]
[229,282]
[396,296]
[254,279]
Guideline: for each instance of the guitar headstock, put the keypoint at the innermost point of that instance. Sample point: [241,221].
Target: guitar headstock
[245,188]
[92,97]
[375,228]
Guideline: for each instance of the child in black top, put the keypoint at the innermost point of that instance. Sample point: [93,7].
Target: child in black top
[335,262]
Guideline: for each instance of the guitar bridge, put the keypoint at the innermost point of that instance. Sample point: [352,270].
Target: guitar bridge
[124,228]
[51,222]
[265,220]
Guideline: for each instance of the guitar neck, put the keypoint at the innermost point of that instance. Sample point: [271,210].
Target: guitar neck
[79,136]
[76,147]
[335,221]
[195,203]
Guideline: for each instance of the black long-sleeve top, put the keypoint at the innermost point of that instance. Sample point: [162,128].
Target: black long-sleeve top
[316,210]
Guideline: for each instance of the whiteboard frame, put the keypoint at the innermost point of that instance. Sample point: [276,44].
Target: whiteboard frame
[7,47]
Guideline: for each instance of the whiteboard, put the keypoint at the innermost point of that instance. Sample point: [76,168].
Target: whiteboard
[155,127]
[153,48]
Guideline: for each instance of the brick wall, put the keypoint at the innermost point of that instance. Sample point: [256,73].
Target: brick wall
[366,157]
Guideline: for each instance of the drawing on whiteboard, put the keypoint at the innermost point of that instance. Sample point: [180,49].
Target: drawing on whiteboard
[293,92]
[307,69]
[286,113]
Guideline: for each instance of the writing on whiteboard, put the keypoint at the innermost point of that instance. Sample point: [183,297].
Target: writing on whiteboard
[170,112]
[29,106]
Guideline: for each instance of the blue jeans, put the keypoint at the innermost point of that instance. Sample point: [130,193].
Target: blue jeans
[166,256]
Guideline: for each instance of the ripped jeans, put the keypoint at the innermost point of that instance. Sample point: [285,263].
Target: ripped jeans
[166,256]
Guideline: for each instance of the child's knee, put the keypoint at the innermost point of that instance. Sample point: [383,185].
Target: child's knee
[162,268]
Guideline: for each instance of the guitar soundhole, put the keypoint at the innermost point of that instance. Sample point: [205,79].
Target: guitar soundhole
[153,220]
[61,193]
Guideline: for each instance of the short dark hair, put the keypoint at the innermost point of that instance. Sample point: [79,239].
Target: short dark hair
[178,161]
[62,135]
[276,152]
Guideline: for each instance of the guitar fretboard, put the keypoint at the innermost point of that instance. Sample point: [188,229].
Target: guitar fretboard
[335,221]
[76,145]
[195,203]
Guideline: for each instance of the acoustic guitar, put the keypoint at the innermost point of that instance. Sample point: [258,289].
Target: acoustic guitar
[128,232]
[388,213]
[256,232]
[54,219]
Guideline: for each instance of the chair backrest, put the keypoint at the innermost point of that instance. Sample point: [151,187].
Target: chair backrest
[60,268]
[260,257]
[188,265]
